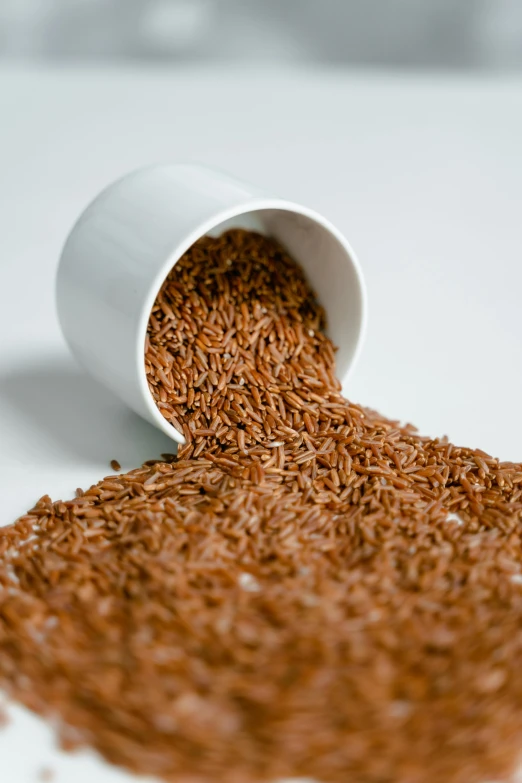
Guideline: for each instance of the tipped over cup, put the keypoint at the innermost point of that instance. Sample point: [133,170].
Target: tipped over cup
[128,239]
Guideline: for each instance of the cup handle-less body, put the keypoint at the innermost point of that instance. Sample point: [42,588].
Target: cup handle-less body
[129,238]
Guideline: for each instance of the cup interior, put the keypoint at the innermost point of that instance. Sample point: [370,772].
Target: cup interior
[329,264]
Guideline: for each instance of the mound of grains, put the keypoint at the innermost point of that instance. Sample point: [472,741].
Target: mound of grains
[307,589]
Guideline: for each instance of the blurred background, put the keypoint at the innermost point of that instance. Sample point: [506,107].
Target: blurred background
[438,34]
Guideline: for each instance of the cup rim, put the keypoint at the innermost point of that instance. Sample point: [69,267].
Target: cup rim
[254,204]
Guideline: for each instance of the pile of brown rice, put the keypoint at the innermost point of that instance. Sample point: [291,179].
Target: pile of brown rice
[307,589]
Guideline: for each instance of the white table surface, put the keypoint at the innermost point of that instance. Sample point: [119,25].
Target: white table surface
[424,175]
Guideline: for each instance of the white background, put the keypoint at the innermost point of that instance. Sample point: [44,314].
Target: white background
[423,174]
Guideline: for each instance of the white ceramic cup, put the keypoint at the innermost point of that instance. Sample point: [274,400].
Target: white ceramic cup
[128,239]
